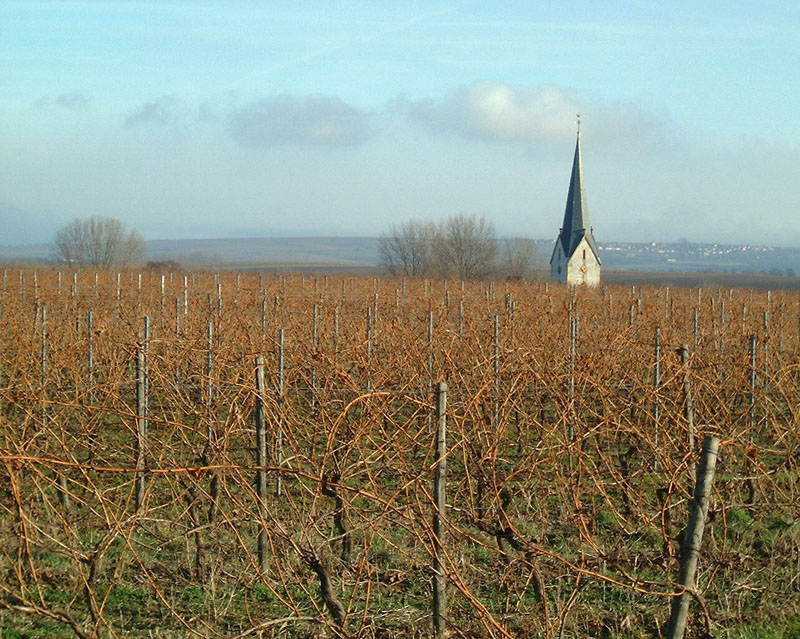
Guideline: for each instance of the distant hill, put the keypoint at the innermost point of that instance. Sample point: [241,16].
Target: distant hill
[363,251]
[354,251]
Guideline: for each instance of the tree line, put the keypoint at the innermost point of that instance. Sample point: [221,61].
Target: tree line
[462,246]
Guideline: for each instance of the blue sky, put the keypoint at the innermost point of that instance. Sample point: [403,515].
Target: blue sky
[215,119]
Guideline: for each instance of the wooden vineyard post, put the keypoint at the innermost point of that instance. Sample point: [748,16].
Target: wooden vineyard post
[141,421]
[90,377]
[146,345]
[439,481]
[90,354]
[376,338]
[752,387]
[690,548]
[281,381]
[430,362]
[261,463]
[496,367]
[43,350]
[314,348]
[335,334]
[209,362]
[766,352]
[430,349]
[208,449]
[656,388]
[512,313]
[369,347]
[573,338]
[749,482]
[688,406]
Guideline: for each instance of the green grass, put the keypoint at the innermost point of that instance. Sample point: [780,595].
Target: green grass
[758,631]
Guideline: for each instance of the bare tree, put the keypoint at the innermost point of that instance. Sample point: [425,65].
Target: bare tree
[466,247]
[519,258]
[98,241]
[463,246]
[406,248]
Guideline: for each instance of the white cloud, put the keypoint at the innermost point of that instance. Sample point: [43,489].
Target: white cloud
[313,120]
[529,116]
[499,112]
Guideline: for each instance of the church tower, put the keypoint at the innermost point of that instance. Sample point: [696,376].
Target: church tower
[575,258]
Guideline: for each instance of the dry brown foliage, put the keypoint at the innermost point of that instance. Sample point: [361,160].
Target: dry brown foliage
[566,493]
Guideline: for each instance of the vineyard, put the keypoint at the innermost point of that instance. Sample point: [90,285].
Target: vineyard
[244,455]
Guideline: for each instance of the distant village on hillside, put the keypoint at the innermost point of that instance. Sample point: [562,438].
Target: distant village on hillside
[687,256]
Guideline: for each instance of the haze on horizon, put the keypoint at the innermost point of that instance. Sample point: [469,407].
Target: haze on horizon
[242,118]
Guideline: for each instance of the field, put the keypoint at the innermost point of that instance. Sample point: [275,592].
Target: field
[158,479]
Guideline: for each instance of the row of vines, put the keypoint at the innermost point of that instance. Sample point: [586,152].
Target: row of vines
[136,499]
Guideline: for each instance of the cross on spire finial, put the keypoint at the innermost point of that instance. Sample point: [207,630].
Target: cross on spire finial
[579,123]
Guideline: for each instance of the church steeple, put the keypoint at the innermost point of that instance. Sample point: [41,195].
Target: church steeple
[575,258]
[576,216]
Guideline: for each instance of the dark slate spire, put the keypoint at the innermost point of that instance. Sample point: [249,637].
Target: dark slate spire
[576,216]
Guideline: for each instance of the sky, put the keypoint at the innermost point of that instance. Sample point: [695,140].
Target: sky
[239,118]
